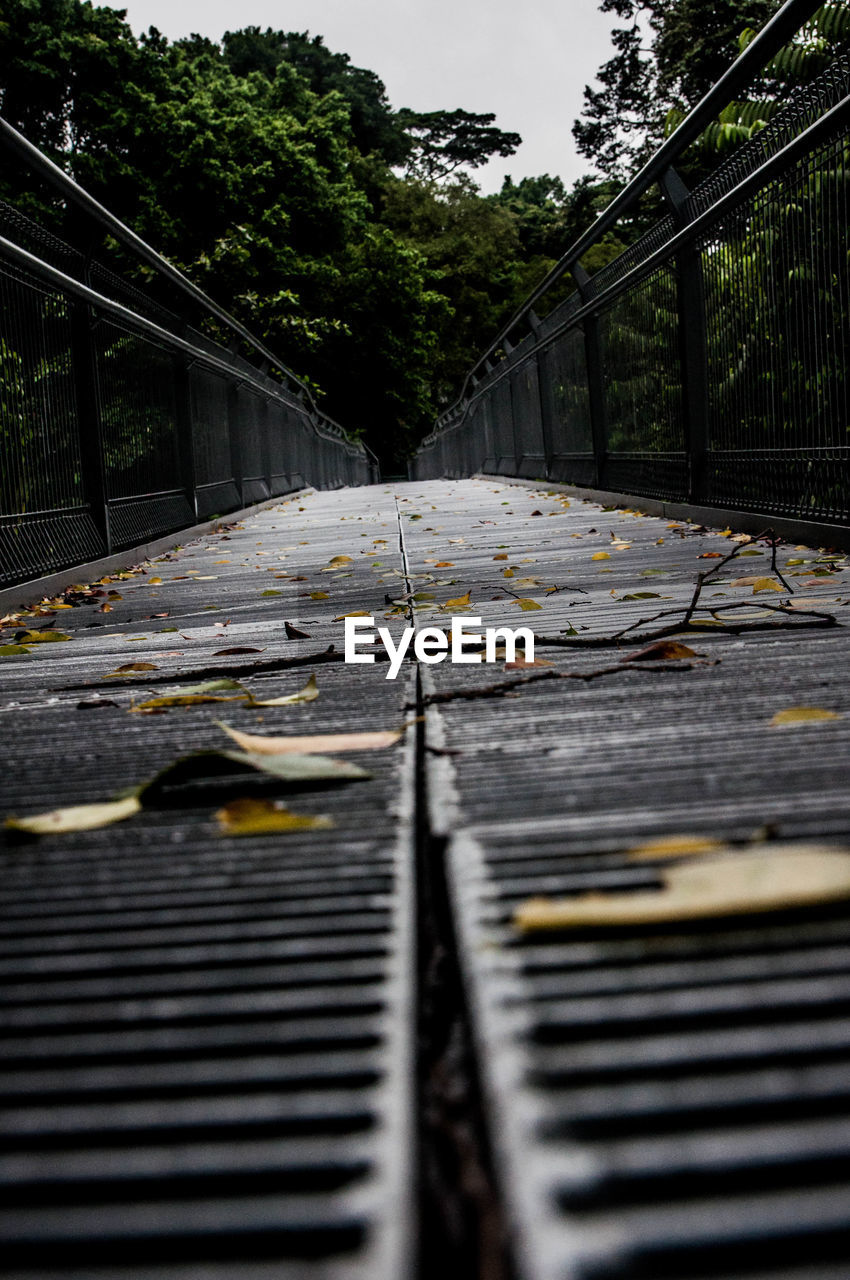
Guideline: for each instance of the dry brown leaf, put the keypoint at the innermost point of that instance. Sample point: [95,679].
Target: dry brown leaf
[504,556]
[775,877]
[130,668]
[519,663]
[293,633]
[324,743]
[259,817]
[661,651]
[227,653]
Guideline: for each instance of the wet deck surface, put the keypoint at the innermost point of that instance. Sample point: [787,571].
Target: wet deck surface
[208,1066]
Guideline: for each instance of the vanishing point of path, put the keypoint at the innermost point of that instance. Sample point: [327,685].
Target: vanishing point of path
[231,1056]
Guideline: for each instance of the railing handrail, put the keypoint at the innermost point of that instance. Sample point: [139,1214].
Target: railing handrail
[36,160]
[781,27]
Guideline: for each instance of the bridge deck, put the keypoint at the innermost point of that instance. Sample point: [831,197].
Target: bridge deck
[210,1040]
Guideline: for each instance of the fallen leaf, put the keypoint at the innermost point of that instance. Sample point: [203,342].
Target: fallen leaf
[309,693]
[710,555]
[227,653]
[449,564]
[504,557]
[318,595]
[527,605]
[271,592]
[79,817]
[766,584]
[40,637]
[801,715]
[9,650]
[339,560]
[519,663]
[681,846]
[661,651]
[775,877]
[600,555]
[258,817]
[293,633]
[642,595]
[296,767]
[356,613]
[130,668]
[459,602]
[258,744]
[507,573]
[154,582]
[537,513]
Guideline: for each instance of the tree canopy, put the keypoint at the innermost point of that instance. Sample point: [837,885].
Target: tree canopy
[347,233]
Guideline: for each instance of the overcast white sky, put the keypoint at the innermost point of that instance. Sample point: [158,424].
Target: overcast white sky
[527,60]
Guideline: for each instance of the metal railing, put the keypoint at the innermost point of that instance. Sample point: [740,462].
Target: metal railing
[708,363]
[121,420]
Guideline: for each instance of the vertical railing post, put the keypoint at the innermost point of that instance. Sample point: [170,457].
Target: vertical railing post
[185,428]
[543,399]
[595,381]
[87,399]
[233,433]
[693,347]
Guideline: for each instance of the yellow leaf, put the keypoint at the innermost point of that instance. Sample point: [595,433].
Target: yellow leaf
[308,694]
[766,584]
[600,555]
[318,595]
[339,560]
[355,613]
[459,602]
[507,573]
[800,715]
[504,557]
[675,847]
[130,668]
[257,817]
[80,817]
[526,605]
[258,744]
[39,637]
[774,877]
[154,582]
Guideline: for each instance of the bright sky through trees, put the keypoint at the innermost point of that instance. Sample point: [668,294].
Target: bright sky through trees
[526,62]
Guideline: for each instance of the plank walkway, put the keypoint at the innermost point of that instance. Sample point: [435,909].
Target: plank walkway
[268,1056]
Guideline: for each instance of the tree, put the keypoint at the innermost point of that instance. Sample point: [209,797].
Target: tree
[440,142]
[667,57]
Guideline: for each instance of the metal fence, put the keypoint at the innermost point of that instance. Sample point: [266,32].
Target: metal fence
[708,363]
[121,420]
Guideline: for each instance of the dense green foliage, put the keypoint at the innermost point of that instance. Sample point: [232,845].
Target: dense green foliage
[267,168]
[347,234]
